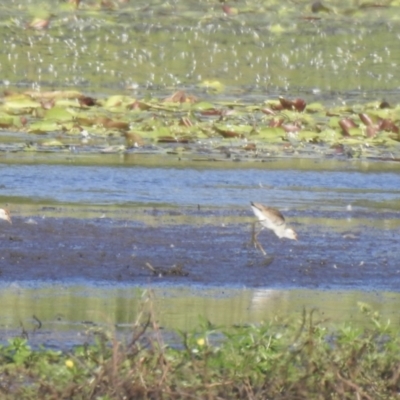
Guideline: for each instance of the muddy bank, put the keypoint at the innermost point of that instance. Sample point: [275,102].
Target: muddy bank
[104,249]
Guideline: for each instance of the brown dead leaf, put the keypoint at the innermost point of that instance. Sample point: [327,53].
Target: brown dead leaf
[297,104]
[250,147]
[185,122]
[365,119]
[346,124]
[211,112]
[39,23]
[388,125]
[275,122]
[228,10]
[268,111]
[180,97]
[226,133]
[371,131]
[133,139]
[173,139]
[87,101]
[108,123]
[384,104]
[290,128]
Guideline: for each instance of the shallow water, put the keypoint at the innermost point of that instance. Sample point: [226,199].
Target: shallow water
[315,190]
[79,229]
[65,316]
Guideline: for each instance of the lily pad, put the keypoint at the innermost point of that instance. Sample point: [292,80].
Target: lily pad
[58,114]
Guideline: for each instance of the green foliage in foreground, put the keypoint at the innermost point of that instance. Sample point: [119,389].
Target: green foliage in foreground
[302,359]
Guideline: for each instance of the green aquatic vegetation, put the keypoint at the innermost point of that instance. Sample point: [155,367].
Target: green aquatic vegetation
[299,357]
[76,122]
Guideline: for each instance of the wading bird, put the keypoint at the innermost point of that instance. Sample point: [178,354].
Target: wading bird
[5,214]
[271,218]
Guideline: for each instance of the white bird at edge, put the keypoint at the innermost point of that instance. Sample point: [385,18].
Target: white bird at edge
[5,214]
[272,219]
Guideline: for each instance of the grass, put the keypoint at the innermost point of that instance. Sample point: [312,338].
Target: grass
[302,358]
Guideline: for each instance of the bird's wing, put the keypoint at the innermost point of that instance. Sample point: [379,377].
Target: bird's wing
[268,215]
[276,215]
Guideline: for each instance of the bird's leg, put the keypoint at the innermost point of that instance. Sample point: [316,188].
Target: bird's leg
[253,234]
[258,245]
[255,241]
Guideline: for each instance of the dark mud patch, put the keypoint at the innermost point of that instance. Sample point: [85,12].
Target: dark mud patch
[108,250]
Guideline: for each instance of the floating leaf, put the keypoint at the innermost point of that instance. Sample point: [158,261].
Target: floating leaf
[66,103]
[277,28]
[315,108]
[330,135]
[205,106]
[117,101]
[58,114]
[272,135]
[53,143]
[307,136]
[43,127]
[215,86]
[7,121]
[351,141]
[55,94]
[229,131]
[356,132]
[20,105]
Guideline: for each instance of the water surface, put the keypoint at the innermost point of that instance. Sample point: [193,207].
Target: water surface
[315,189]
[64,316]
[267,49]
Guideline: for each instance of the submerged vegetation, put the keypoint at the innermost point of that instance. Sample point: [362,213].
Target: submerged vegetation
[301,358]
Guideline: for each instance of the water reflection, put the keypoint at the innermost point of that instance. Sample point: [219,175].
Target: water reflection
[65,308]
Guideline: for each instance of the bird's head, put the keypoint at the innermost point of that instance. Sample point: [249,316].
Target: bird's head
[290,234]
